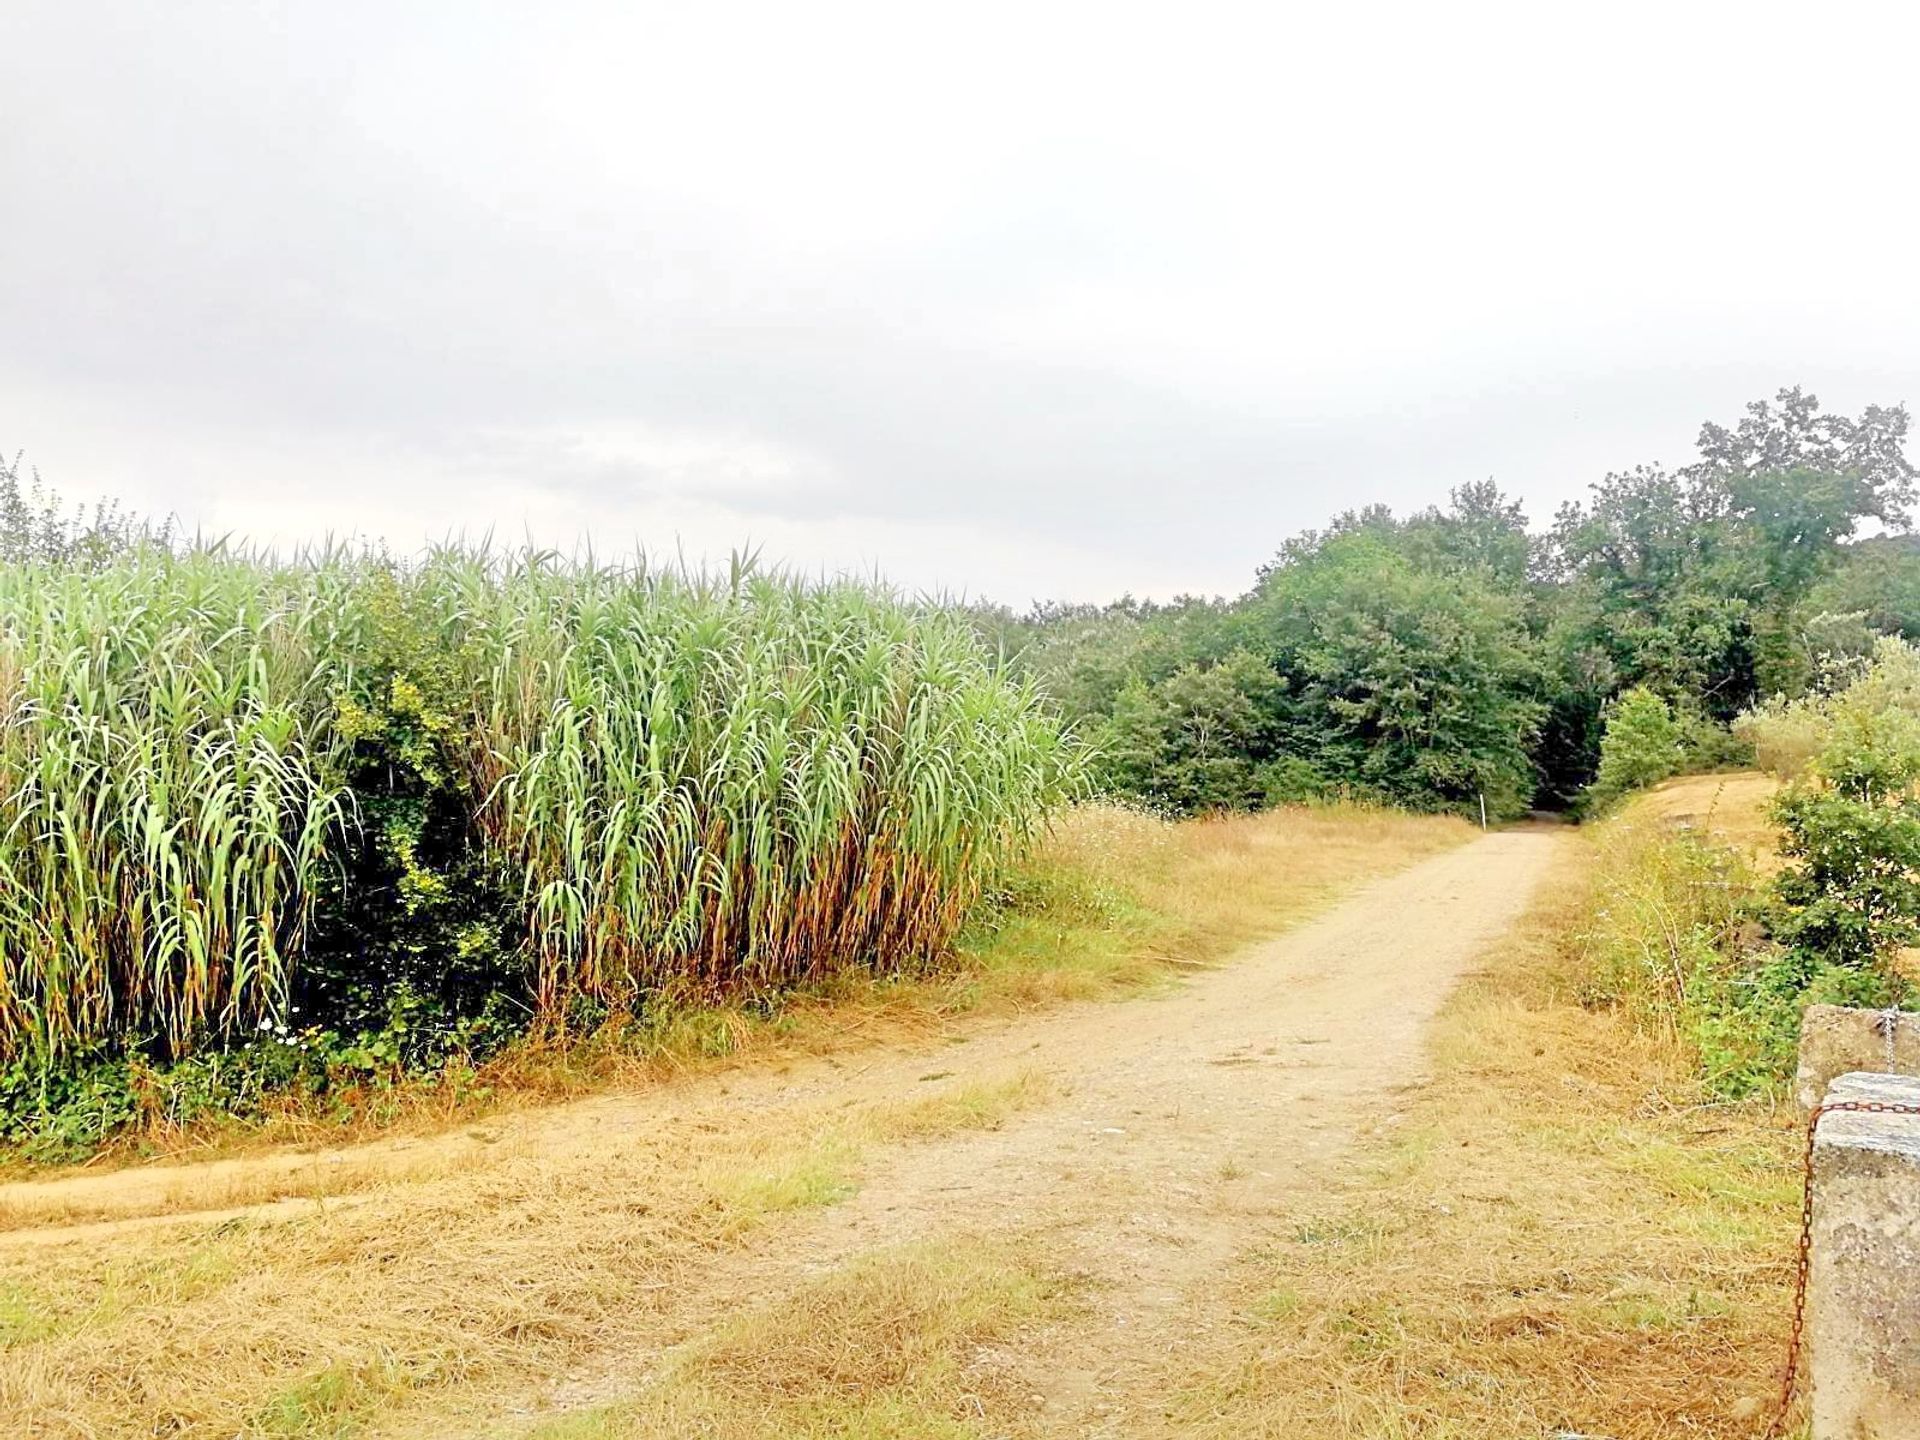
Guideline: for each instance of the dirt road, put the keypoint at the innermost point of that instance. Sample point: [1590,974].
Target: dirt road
[1157,1142]
[1190,1129]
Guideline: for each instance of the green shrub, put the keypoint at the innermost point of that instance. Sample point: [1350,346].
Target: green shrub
[1850,896]
[1707,746]
[1743,1019]
[1785,734]
[1642,745]
[1294,780]
[1788,734]
[417,928]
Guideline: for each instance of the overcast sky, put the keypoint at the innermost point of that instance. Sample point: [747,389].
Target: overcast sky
[1023,300]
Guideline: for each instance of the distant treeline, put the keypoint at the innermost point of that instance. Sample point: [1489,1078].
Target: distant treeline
[1432,659]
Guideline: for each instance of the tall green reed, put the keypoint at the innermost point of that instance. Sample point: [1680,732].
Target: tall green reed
[164,797]
[709,782]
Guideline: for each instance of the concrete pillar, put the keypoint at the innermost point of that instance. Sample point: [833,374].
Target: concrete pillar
[1863,1294]
[1837,1038]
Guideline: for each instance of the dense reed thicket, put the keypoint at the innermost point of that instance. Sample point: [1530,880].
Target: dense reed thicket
[238,794]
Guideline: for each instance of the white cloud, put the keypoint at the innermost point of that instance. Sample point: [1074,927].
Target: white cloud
[1037,299]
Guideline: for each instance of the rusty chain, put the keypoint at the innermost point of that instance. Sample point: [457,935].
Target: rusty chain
[1804,1263]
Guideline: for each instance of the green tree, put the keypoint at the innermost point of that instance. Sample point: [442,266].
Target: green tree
[1480,530]
[1648,590]
[1404,681]
[36,528]
[1866,457]
[1196,740]
[1641,747]
[1084,656]
[1877,580]
[1432,656]
[1692,581]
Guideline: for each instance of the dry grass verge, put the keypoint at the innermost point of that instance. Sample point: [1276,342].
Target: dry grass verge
[901,1345]
[1556,1238]
[1730,809]
[303,1328]
[1117,899]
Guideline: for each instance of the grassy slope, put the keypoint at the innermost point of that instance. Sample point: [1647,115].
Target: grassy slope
[1559,1238]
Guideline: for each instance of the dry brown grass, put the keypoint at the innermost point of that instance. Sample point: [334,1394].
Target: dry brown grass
[300,1328]
[1555,1239]
[1121,899]
[81,1196]
[900,1345]
[1730,809]
[229,1188]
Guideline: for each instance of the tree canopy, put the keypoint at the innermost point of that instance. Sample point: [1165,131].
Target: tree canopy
[1436,658]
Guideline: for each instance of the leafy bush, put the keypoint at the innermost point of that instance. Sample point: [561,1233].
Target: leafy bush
[1785,735]
[1293,780]
[417,927]
[55,1112]
[1788,734]
[1850,897]
[1642,745]
[1707,746]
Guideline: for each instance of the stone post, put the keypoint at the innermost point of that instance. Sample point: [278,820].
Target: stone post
[1863,1294]
[1837,1038]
